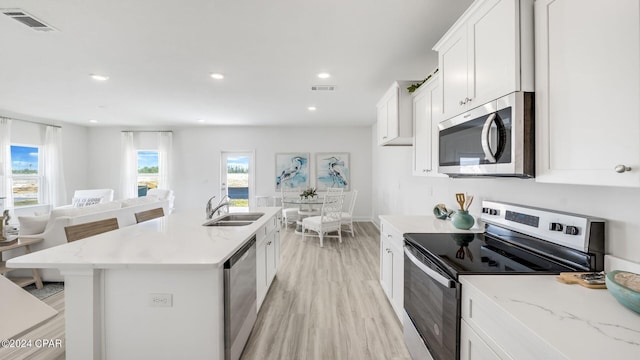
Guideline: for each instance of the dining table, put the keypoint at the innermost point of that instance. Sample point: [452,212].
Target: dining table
[306,207]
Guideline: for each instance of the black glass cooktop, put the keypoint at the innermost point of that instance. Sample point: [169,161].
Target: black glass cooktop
[459,254]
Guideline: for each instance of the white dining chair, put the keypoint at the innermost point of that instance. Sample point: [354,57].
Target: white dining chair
[347,217]
[328,221]
[289,212]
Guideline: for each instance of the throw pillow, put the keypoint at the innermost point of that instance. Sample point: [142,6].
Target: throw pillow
[31,225]
[82,202]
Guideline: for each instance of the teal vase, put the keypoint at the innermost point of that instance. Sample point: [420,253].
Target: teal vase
[462,220]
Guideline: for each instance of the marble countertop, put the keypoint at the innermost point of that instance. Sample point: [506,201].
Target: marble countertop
[578,322]
[427,224]
[177,241]
[20,311]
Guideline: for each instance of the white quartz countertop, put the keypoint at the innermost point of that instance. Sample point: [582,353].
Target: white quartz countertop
[580,323]
[177,241]
[426,224]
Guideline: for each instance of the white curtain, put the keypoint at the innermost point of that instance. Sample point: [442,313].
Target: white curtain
[129,170]
[5,161]
[165,145]
[54,190]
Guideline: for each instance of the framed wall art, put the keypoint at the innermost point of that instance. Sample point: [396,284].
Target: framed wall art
[332,170]
[292,170]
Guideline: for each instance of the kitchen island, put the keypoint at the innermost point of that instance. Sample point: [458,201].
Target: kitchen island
[153,290]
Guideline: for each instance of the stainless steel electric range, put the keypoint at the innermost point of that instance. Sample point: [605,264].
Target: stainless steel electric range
[517,240]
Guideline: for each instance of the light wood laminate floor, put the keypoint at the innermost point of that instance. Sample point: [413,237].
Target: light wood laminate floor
[327,303]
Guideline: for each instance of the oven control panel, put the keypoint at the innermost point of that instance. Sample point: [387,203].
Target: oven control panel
[567,229]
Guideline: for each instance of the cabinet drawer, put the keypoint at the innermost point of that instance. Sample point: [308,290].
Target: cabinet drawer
[391,234]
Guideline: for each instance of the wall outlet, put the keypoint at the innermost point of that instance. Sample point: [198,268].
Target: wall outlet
[161,300]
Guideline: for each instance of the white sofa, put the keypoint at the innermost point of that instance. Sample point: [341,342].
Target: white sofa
[59,218]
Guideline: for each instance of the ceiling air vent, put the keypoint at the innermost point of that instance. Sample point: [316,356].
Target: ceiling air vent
[323,88]
[27,19]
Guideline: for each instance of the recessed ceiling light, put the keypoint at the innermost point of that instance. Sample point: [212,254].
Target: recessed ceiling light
[99,77]
[324,75]
[311,108]
[201,121]
[93,121]
[217,76]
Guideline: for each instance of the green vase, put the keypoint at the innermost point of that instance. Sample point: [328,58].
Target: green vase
[462,220]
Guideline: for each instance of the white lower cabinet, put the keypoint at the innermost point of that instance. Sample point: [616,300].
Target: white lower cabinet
[392,267]
[472,347]
[492,333]
[267,257]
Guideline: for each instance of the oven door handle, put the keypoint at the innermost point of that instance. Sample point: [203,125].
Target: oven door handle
[431,273]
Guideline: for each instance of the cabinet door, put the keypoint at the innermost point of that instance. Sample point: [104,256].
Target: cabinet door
[386,268]
[382,122]
[272,255]
[397,281]
[454,76]
[261,272]
[422,133]
[587,91]
[426,112]
[393,115]
[472,347]
[493,54]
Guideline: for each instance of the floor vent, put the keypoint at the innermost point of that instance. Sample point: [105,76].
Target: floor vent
[323,88]
[27,19]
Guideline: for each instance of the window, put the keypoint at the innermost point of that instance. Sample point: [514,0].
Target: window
[147,171]
[25,175]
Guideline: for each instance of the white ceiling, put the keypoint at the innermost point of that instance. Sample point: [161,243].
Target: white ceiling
[159,55]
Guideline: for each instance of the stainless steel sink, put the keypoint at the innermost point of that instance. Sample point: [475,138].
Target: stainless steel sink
[227,223]
[240,217]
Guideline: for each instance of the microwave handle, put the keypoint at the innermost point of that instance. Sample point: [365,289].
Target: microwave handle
[431,273]
[485,139]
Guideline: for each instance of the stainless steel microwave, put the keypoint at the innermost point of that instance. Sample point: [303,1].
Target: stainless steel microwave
[495,139]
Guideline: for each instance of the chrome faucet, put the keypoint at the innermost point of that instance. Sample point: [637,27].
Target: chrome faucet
[209,207]
[212,210]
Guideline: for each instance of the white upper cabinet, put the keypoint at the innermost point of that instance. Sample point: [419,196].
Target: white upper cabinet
[587,92]
[426,108]
[395,116]
[487,53]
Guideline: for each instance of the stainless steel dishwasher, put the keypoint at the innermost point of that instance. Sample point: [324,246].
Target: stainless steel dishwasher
[239,299]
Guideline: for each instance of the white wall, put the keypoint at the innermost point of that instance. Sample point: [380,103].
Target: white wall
[396,191]
[197,150]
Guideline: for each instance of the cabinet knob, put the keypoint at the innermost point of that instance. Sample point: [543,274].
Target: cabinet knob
[467,100]
[462,102]
[621,168]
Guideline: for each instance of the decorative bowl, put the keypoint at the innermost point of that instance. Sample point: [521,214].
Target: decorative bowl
[625,287]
